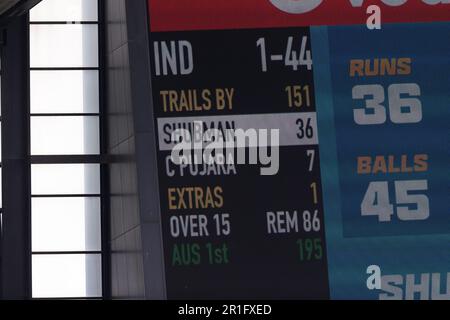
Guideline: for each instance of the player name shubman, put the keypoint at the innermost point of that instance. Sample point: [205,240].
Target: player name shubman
[193,128]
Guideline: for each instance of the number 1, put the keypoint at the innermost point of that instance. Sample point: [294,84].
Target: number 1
[262,44]
[314,190]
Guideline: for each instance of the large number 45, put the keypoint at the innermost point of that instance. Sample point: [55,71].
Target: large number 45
[401,109]
[376,201]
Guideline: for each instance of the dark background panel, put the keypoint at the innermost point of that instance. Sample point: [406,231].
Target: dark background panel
[231,59]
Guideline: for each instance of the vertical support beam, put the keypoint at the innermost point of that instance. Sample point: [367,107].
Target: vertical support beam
[104,172]
[146,149]
[16,242]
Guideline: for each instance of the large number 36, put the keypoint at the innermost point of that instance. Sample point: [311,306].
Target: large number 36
[401,109]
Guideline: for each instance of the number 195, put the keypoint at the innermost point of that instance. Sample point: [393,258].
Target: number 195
[310,249]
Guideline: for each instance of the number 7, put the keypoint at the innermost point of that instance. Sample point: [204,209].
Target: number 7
[311,154]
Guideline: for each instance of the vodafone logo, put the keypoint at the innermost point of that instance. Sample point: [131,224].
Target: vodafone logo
[303,6]
[296,6]
[289,13]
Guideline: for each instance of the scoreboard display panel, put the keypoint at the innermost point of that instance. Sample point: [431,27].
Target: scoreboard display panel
[351,170]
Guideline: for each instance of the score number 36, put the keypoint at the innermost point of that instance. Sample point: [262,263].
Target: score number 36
[376,201]
[397,103]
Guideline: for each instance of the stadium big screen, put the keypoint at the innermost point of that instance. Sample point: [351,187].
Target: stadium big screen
[362,177]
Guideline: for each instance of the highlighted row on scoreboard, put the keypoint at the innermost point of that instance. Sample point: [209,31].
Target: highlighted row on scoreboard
[278,129]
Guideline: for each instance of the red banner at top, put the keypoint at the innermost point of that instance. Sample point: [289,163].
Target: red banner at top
[177,15]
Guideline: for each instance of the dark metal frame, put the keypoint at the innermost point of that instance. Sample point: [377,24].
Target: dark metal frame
[17,9]
[2,41]
[16,242]
[104,159]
